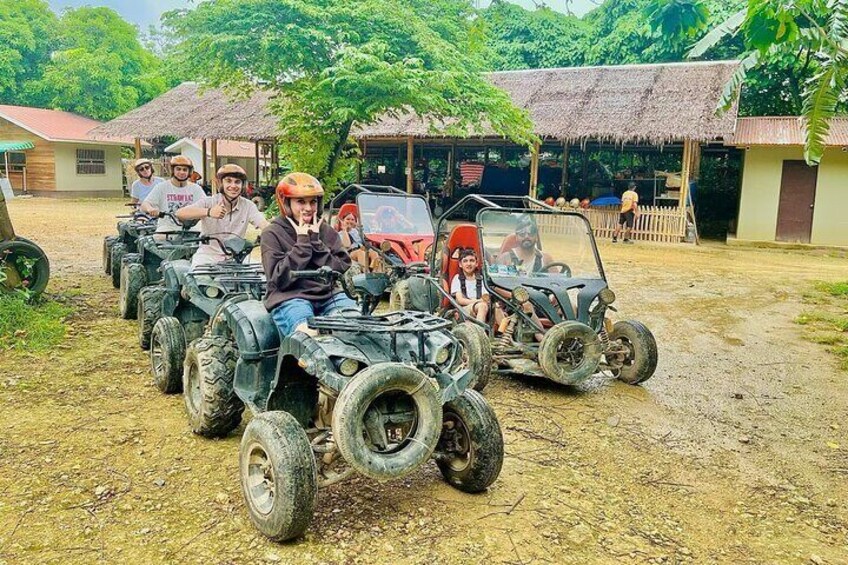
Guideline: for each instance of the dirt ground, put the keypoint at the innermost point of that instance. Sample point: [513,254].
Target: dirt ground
[735,452]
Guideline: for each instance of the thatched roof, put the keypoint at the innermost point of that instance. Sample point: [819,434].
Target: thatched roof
[629,103]
[189,111]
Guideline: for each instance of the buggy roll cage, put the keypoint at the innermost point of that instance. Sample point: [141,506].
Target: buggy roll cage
[356,188]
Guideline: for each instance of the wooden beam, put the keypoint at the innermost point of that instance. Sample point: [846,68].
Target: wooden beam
[684,178]
[256,168]
[214,166]
[451,168]
[137,148]
[410,165]
[564,180]
[204,158]
[534,170]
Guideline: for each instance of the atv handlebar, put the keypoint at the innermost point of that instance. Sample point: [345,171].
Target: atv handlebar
[325,273]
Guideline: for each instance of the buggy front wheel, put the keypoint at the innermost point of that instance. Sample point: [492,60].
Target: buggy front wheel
[636,360]
[570,352]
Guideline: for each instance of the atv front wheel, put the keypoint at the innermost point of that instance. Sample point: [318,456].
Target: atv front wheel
[213,408]
[118,251]
[476,353]
[638,360]
[387,420]
[167,353]
[570,352]
[133,279]
[471,448]
[149,311]
[278,475]
[108,242]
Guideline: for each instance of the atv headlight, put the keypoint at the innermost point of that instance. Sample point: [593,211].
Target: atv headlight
[211,292]
[442,355]
[606,296]
[348,367]
[520,294]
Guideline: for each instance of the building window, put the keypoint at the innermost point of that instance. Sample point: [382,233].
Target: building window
[91,162]
[17,161]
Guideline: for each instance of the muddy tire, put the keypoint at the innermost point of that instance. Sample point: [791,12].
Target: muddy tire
[167,354]
[118,251]
[35,278]
[133,279]
[570,352]
[641,361]
[471,447]
[476,354]
[213,408]
[278,475]
[399,296]
[360,425]
[108,242]
[149,310]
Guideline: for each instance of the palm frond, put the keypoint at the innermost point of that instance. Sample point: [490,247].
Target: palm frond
[838,23]
[820,98]
[731,88]
[728,27]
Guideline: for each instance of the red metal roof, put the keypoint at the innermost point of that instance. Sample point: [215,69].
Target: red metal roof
[56,125]
[783,130]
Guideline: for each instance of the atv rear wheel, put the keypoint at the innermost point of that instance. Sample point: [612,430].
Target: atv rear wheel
[167,353]
[149,311]
[639,362]
[387,420]
[118,251]
[471,448]
[133,279]
[108,242]
[570,352]
[213,408]
[476,353]
[278,475]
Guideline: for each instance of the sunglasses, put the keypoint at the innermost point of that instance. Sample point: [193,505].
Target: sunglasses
[145,168]
[527,232]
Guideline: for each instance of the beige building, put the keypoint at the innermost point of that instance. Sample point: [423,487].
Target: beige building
[783,199]
[63,158]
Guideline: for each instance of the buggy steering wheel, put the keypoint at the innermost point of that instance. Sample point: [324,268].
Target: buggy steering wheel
[563,268]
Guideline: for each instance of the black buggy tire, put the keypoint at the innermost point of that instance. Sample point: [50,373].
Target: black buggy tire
[167,354]
[133,279]
[570,352]
[118,251]
[108,242]
[149,311]
[471,446]
[477,352]
[357,443]
[213,408]
[279,477]
[640,363]
[21,248]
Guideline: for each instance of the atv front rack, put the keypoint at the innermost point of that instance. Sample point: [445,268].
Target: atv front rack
[394,322]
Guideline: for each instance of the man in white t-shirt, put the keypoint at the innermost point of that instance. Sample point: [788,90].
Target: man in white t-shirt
[171,195]
[223,215]
[146,181]
[467,287]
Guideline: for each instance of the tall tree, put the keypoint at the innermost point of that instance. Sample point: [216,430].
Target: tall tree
[339,65]
[27,35]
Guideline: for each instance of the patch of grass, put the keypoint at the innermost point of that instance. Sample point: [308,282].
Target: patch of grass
[833,289]
[828,323]
[30,326]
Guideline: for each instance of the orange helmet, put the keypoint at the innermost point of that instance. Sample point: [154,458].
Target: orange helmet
[298,185]
[181,160]
[231,170]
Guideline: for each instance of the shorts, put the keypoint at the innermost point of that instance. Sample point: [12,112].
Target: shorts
[627,218]
[469,309]
[293,312]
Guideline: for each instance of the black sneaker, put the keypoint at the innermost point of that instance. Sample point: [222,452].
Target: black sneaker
[630,241]
[615,240]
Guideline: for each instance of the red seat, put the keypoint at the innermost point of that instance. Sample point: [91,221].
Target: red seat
[462,236]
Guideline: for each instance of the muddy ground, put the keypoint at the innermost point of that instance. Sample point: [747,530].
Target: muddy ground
[735,452]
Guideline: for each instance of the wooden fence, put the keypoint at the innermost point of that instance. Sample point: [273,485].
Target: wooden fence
[655,223]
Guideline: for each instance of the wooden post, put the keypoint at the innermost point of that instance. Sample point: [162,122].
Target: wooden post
[451,169]
[684,177]
[564,181]
[534,169]
[137,148]
[203,167]
[359,161]
[256,168]
[214,166]
[410,165]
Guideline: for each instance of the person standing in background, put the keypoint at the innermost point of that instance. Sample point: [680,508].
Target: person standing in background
[629,213]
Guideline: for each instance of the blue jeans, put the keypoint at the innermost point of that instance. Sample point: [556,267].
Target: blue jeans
[293,312]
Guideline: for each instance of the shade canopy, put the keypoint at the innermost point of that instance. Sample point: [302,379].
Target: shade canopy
[15,146]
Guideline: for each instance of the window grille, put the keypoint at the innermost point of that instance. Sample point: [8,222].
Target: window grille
[91,162]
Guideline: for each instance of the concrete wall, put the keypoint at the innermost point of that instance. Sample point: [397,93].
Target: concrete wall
[67,179]
[761,195]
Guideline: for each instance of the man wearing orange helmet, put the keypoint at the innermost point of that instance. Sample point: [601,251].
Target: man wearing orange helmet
[299,240]
[171,195]
[145,182]
[224,215]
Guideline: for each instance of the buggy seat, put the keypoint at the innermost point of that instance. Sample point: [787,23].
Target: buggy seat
[462,236]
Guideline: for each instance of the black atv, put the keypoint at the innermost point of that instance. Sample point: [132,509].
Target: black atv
[176,312]
[115,247]
[375,394]
[143,268]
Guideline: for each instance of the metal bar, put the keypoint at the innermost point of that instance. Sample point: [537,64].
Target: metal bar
[205,157]
[410,165]
[214,166]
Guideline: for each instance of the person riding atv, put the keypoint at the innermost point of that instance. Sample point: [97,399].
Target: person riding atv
[146,181]
[169,196]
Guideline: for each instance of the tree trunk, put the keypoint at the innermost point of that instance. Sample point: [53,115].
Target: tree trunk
[333,160]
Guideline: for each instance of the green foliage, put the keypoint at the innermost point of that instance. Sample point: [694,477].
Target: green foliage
[26,39]
[828,324]
[27,326]
[834,288]
[678,20]
[339,65]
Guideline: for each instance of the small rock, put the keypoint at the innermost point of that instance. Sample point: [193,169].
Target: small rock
[738,395]
[744,439]
[579,534]
[159,482]
[272,558]
[816,559]
[100,491]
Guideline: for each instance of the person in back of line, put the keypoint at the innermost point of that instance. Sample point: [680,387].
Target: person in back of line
[145,182]
[171,195]
[223,215]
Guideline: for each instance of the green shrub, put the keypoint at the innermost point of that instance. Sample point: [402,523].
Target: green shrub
[30,326]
